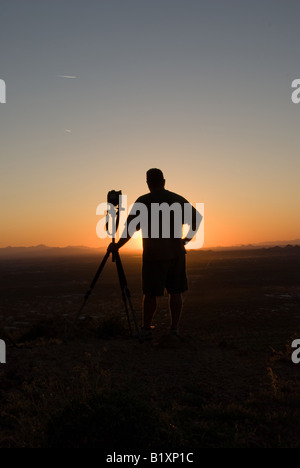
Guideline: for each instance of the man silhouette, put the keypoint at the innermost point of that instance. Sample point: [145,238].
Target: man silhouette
[164,264]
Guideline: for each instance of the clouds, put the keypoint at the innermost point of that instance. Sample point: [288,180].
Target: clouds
[66,76]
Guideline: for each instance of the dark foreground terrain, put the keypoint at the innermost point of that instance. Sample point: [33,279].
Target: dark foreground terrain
[230,382]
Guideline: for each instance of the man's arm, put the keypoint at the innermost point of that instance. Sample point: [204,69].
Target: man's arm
[194,219]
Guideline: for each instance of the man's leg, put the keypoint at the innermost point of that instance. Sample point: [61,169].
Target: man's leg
[149,308]
[175,304]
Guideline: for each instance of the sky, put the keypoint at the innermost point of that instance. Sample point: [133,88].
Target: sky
[98,92]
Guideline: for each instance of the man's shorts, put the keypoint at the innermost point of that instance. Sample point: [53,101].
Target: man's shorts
[164,274]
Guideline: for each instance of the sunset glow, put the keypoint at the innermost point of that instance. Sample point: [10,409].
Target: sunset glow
[128,89]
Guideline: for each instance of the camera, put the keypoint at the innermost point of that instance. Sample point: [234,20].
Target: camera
[113,197]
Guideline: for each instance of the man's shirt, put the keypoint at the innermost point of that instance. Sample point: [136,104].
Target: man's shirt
[162,223]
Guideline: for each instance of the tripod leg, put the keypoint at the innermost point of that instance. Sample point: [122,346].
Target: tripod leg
[123,285]
[126,311]
[133,313]
[87,294]
[126,295]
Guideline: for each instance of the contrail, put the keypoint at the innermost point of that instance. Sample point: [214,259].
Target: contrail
[66,76]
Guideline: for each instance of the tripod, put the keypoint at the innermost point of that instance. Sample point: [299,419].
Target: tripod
[123,285]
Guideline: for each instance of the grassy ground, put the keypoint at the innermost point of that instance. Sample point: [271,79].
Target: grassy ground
[229,383]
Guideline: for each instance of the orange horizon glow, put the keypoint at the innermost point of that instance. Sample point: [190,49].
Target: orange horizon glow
[223,227]
[135,244]
[233,215]
[61,211]
[183,88]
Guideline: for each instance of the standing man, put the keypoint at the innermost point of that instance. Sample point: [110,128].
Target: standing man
[164,264]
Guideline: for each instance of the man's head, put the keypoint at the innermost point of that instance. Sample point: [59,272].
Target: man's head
[155,179]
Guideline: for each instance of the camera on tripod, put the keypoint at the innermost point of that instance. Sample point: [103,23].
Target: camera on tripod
[113,197]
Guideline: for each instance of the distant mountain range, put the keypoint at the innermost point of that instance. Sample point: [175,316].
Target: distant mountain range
[44,250]
[260,245]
